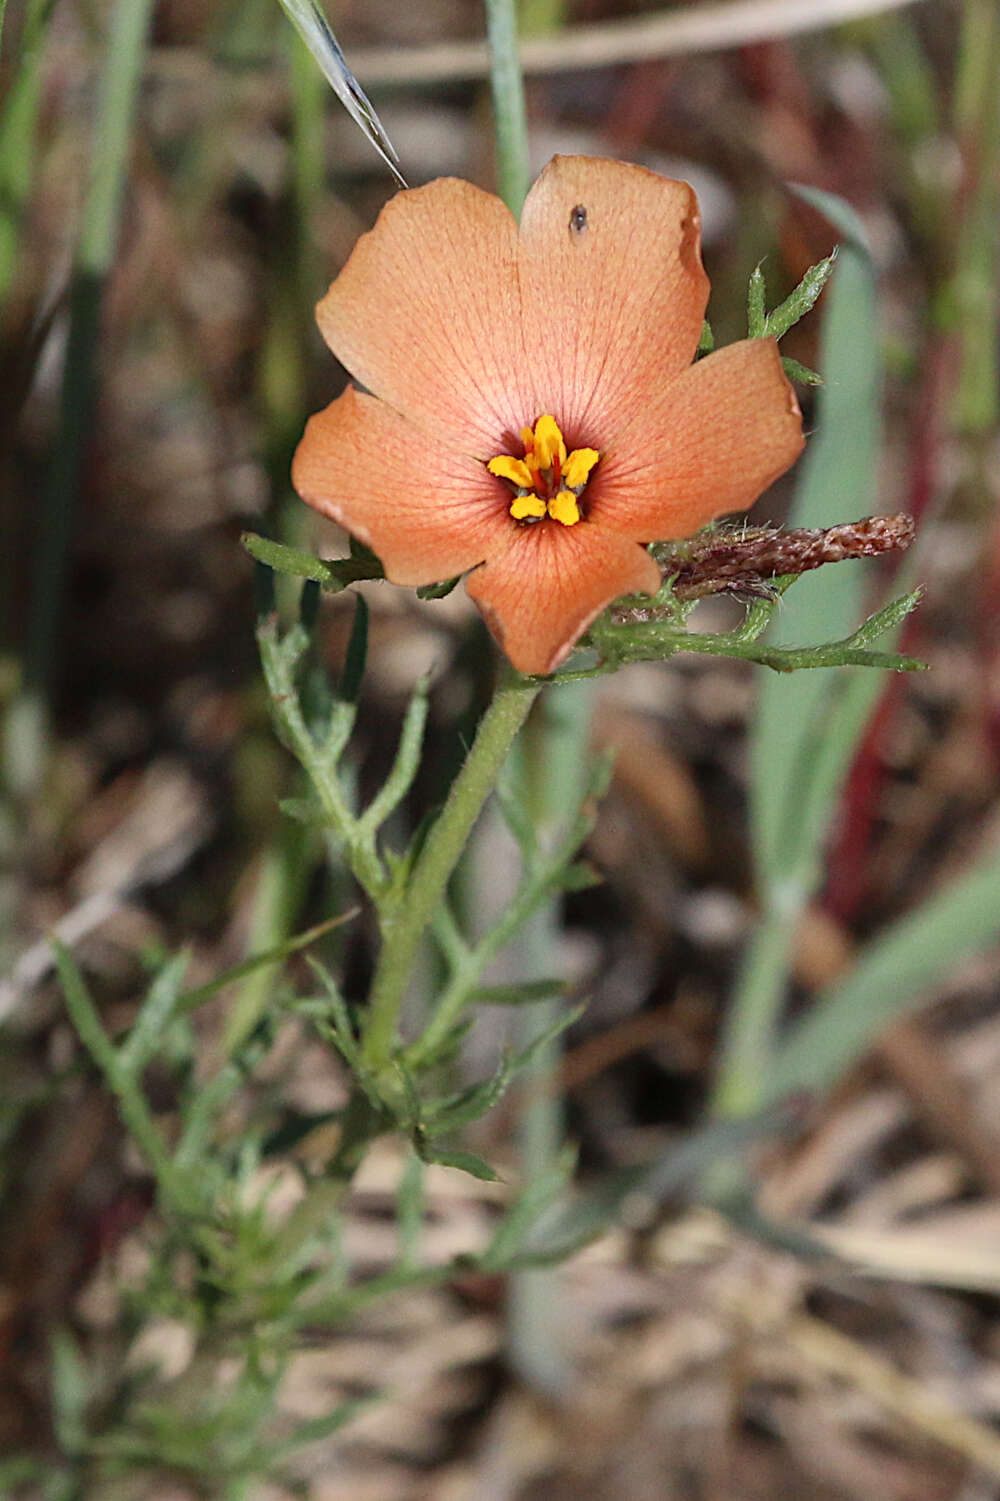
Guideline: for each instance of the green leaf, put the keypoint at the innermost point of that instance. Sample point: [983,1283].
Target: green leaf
[309,604]
[287,560]
[851,651]
[802,300]
[410,1206]
[295,1127]
[580,876]
[339,1018]
[19,133]
[70,1392]
[444,1116]
[707,341]
[313,1429]
[154,1016]
[334,574]
[807,727]
[800,373]
[534,1201]
[893,975]
[840,467]
[438,591]
[756,294]
[304,810]
[524,994]
[405,765]
[466,1162]
[446,1048]
[191,999]
[357,654]
[540,1043]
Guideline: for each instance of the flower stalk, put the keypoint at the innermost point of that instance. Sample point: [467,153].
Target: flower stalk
[403,928]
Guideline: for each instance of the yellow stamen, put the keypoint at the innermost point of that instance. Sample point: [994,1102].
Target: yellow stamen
[516,470]
[524,506]
[548,443]
[576,469]
[563,507]
[549,479]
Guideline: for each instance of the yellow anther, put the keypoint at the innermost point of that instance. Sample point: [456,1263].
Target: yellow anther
[576,469]
[563,507]
[524,506]
[516,470]
[546,467]
[548,443]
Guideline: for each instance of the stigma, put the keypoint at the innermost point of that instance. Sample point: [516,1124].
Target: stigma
[547,481]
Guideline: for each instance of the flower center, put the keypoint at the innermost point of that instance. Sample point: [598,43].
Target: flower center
[548,481]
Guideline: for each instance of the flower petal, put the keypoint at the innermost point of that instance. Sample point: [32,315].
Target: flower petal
[427,512]
[540,595]
[613,289]
[709,443]
[426,314]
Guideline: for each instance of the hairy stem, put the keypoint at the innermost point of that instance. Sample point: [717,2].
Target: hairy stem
[404,927]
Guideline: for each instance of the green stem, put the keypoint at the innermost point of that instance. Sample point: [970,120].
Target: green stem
[554,766]
[404,927]
[510,115]
[94,256]
[123,1084]
[470,963]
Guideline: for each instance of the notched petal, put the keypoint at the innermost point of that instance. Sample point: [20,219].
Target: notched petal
[612,281]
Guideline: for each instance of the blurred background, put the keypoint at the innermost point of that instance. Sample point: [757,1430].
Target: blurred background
[177,188]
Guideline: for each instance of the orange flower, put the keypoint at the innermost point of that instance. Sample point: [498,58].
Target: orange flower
[535,415]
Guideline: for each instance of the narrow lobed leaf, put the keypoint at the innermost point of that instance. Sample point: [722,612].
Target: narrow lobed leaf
[154,1015]
[525,994]
[466,1162]
[802,300]
[438,591]
[357,654]
[191,999]
[756,311]
[287,560]
[443,1116]
[800,373]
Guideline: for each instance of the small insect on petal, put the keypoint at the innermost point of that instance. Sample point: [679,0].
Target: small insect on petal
[578,220]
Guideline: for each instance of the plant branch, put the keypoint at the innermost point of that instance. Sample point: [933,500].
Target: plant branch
[403,928]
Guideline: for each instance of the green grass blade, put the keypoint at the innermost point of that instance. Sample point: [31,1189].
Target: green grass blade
[837,484]
[808,725]
[314,29]
[892,976]
[94,255]
[18,125]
